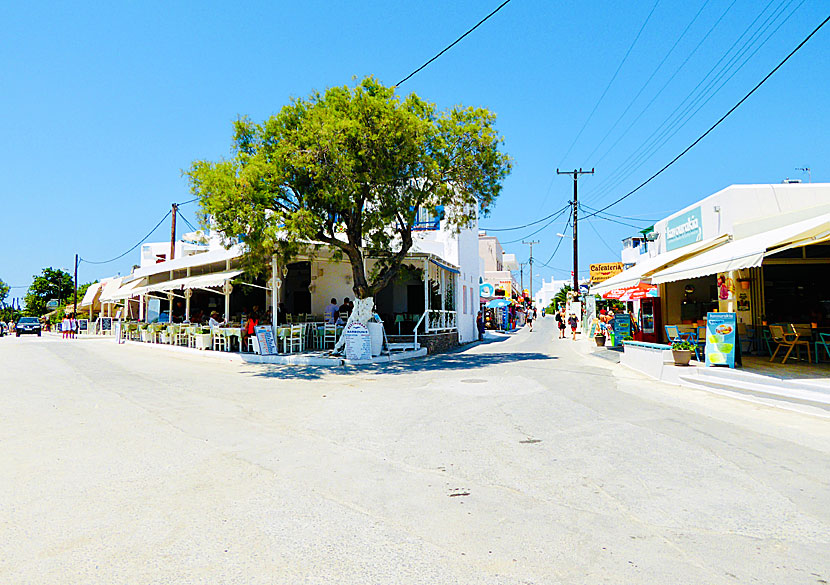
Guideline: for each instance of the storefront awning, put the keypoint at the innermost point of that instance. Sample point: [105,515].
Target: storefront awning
[446,266]
[110,287]
[89,296]
[216,279]
[748,252]
[131,289]
[645,268]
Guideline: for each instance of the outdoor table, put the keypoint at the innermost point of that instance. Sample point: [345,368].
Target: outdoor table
[230,333]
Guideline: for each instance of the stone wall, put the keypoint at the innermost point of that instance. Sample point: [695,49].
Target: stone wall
[434,342]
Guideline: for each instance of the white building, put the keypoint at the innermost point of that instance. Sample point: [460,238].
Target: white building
[497,266]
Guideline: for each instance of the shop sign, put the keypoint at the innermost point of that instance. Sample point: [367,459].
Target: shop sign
[684,229]
[602,272]
[358,342]
[507,287]
[622,328]
[486,290]
[265,337]
[721,336]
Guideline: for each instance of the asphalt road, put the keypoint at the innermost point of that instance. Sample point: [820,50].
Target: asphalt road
[514,462]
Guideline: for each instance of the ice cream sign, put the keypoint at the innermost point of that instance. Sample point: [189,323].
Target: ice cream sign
[684,229]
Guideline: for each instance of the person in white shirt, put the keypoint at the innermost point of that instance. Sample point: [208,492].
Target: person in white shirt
[214,320]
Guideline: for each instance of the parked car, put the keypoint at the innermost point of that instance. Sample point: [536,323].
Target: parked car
[27,325]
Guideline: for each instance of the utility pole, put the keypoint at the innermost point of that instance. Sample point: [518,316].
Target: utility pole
[530,261]
[75,309]
[576,174]
[522,274]
[173,233]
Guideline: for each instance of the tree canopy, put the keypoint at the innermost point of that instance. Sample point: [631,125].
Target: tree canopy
[50,284]
[351,168]
[4,291]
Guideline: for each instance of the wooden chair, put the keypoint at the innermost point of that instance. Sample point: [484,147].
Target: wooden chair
[219,341]
[790,340]
[294,339]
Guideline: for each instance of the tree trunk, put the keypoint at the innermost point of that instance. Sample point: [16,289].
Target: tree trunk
[362,313]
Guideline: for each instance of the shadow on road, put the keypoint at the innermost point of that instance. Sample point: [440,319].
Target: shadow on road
[459,360]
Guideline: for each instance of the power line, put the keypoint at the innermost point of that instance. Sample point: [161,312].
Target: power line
[653,73]
[716,124]
[455,42]
[166,215]
[673,124]
[628,217]
[521,227]
[190,225]
[188,201]
[601,239]
[537,231]
[559,243]
[607,87]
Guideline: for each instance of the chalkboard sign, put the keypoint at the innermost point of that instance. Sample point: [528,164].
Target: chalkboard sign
[358,342]
[106,323]
[83,325]
[265,337]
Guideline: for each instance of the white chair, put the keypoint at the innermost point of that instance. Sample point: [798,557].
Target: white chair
[220,341]
[294,339]
[329,335]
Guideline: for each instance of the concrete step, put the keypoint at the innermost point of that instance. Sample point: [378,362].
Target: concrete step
[745,383]
[408,346]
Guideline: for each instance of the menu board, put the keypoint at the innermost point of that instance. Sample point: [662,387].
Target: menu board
[358,342]
[265,337]
[106,323]
[83,324]
[721,335]
[622,328]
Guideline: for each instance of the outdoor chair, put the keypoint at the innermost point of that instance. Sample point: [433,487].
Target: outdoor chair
[329,335]
[219,340]
[294,339]
[789,340]
[822,341]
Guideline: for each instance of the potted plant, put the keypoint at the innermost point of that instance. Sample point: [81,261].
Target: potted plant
[599,338]
[681,351]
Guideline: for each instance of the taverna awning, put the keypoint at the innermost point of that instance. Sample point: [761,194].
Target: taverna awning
[748,252]
[214,280]
[649,266]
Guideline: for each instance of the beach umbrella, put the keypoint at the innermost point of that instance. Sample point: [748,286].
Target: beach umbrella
[497,304]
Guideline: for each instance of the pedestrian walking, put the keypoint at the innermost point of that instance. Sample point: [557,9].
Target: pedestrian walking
[529,315]
[572,321]
[480,325]
[560,322]
[65,327]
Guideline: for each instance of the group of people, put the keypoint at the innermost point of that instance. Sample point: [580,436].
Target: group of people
[338,314]
[562,322]
[69,326]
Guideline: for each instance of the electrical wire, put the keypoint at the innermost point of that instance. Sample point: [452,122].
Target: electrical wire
[455,42]
[584,207]
[653,73]
[608,86]
[188,201]
[141,241]
[559,243]
[537,231]
[716,124]
[601,239]
[521,227]
[676,121]
[190,225]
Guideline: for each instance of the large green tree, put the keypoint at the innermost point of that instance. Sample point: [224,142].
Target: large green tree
[351,168]
[50,284]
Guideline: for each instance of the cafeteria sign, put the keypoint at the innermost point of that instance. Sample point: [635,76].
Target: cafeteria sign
[721,336]
[684,229]
[265,338]
[602,272]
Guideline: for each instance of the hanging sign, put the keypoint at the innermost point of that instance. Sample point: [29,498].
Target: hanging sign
[602,272]
[486,290]
[358,342]
[265,337]
[721,335]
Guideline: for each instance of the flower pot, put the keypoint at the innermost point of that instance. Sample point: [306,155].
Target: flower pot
[682,357]
[600,340]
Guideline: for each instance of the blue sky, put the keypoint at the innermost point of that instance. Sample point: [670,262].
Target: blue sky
[104,104]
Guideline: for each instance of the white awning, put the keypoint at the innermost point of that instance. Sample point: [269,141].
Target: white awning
[216,279]
[748,252]
[89,296]
[126,291]
[110,287]
[645,268]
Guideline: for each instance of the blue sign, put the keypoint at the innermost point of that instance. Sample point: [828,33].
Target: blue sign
[622,328]
[486,290]
[721,336]
[685,229]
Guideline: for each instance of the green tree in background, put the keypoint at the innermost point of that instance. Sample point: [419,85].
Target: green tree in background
[562,296]
[50,284]
[352,168]
[4,292]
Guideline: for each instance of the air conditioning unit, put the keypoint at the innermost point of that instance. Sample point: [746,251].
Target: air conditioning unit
[652,236]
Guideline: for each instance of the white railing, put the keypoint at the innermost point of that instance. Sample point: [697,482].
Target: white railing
[442,321]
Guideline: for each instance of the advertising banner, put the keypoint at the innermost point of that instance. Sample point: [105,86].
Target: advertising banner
[358,342]
[622,328]
[602,272]
[721,335]
[684,229]
[265,337]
